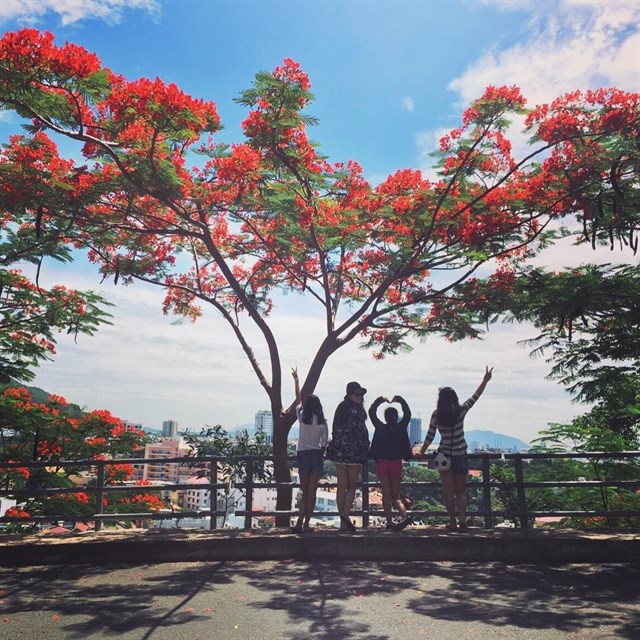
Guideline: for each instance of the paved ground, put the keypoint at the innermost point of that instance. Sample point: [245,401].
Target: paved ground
[289,600]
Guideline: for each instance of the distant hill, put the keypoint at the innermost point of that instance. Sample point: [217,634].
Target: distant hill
[249,427]
[478,439]
[38,395]
[41,396]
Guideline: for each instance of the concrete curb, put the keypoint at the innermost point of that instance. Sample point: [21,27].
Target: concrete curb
[418,543]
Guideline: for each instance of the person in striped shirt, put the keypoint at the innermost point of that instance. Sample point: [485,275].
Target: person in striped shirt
[451,458]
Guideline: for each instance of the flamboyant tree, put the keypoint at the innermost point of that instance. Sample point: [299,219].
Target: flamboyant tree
[30,314]
[382,262]
[50,430]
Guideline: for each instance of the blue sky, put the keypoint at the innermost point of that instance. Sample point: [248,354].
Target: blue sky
[390,78]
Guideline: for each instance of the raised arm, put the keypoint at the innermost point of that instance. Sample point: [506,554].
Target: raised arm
[406,411]
[294,373]
[373,412]
[487,376]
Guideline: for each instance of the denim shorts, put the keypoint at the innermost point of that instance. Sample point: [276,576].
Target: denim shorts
[309,460]
[460,464]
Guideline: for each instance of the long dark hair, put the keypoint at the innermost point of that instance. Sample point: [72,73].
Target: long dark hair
[448,407]
[311,407]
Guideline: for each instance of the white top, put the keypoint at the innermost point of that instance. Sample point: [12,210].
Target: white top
[312,436]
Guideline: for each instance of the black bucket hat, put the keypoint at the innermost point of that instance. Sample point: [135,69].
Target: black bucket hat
[354,387]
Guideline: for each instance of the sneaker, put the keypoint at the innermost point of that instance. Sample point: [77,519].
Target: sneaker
[403,524]
[390,526]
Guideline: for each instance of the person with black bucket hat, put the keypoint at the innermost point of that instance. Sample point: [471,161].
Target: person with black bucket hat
[349,449]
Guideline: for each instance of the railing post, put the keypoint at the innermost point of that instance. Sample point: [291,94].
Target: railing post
[365,495]
[486,492]
[248,501]
[213,493]
[97,522]
[522,500]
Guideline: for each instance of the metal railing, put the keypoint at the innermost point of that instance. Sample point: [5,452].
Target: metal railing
[487,487]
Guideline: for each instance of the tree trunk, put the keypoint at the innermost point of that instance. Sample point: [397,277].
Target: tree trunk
[281,427]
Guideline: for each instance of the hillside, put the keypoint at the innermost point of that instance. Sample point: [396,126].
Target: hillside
[478,439]
[40,396]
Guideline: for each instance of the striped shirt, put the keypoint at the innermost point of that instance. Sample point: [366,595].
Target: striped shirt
[451,439]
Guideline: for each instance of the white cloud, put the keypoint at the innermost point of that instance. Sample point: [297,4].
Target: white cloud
[428,142]
[578,45]
[145,369]
[571,45]
[71,11]
[408,104]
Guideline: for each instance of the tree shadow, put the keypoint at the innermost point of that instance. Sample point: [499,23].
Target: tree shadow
[565,598]
[126,600]
[327,600]
[319,594]
[122,598]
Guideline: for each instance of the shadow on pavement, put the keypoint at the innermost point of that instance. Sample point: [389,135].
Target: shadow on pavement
[328,600]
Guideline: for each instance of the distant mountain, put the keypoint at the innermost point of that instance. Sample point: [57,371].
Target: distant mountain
[41,396]
[478,439]
[38,395]
[250,428]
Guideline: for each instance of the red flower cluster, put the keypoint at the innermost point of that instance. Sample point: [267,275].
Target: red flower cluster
[290,72]
[30,52]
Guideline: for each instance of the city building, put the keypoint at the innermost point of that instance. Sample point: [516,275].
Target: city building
[264,424]
[171,472]
[415,431]
[196,499]
[169,428]
[264,499]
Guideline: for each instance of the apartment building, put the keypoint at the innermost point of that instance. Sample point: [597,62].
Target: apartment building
[161,471]
[264,424]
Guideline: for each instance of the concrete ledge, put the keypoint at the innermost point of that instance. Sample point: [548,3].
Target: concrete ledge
[416,543]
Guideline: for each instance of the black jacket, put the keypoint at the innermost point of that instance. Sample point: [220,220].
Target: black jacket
[390,441]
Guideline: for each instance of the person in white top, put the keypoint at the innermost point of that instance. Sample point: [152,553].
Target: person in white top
[312,441]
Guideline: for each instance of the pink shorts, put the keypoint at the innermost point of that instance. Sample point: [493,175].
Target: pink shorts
[390,468]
